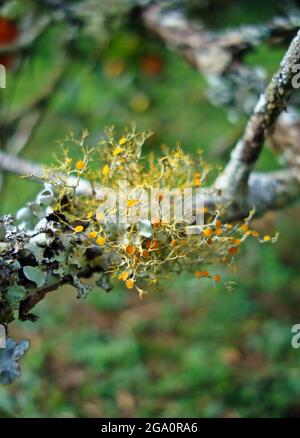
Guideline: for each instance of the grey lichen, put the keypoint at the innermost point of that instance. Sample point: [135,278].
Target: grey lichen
[38,254]
[45,255]
[9,360]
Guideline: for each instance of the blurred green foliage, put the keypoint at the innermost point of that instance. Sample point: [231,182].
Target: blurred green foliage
[193,350]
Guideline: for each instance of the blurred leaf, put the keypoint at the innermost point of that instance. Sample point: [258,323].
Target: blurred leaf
[9,360]
[35,274]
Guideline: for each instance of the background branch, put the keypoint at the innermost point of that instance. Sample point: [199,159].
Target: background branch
[28,37]
[213,52]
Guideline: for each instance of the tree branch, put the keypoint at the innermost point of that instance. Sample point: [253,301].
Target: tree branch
[285,140]
[261,123]
[20,166]
[266,191]
[213,52]
[28,38]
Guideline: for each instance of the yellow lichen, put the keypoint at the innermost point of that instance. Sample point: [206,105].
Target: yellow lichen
[143,251]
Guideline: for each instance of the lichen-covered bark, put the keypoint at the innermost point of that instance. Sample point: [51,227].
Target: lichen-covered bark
[37,255]
[40,253]
[36,262]
[270,104]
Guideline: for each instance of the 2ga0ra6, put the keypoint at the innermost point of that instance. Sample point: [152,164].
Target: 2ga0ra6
[171,427]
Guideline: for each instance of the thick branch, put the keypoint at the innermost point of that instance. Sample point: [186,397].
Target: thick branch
[266,191]
[261,123]
[285,139]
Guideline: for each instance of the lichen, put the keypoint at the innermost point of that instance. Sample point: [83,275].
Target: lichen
[66,235]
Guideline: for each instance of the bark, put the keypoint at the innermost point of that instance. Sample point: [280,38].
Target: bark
[261,124]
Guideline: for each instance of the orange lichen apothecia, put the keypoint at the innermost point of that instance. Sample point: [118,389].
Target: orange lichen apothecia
[139,253]
[78,229]
[80,165]
[100,240]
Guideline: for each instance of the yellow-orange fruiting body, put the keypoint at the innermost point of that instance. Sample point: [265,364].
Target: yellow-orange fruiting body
[201,274]
[80,165]
[160,196]
[129,283]
[105,170]
[130,249]
[118,150]
[93,234]
[101,241]
[132,202]
[154,244]
[207,232]
[155,222]
[244,227]
[78,229]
